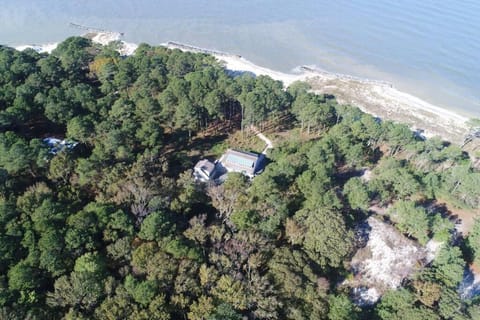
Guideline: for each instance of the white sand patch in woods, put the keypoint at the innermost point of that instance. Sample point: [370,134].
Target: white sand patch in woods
[367,175]
[386,260]
[431,249]
[391,256]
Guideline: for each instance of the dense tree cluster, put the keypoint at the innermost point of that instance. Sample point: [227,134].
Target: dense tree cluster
[116,228]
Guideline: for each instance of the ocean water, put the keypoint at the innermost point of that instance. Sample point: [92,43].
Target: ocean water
[428,48]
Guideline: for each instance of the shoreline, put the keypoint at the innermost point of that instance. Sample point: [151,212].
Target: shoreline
[376,97]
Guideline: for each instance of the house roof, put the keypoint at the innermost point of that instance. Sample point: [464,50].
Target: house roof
[240,161]
[206,166]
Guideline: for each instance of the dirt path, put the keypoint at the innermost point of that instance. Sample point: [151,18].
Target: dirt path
[465,218]
[268,142]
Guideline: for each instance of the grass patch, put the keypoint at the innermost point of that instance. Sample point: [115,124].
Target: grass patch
[247,141]
[218,149]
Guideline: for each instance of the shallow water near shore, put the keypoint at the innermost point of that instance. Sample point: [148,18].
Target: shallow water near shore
[427,48]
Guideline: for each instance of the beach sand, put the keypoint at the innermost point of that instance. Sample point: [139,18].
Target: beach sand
[102,38]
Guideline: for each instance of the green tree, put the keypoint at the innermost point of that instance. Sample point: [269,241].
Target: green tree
[155,226]
[74,56]
[473,241]
[391,180]
[142,292]
[450,306]
[448,266]
[341,308]
[79,289]
[327,239]
[91,262]
[61,168]
[226,196]
[201,309]
[244,219]
[442,228]
[155,264]
[473,311]
[461,185]
[186,117]
[357,194]
[427,292]
[119,306]
[82,231]
[23,277]
[398,136]
[53,257]
[313,111]
[17,156]
[225,311]
[411,220]
[399,305]
[80,128]
[47,215]
[231,291]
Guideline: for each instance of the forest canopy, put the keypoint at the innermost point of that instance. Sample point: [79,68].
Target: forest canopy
[117,228]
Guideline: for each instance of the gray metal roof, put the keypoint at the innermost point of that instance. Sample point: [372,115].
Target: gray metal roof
[240,161]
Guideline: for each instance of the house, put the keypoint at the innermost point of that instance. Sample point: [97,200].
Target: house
[204,170]
[248,163]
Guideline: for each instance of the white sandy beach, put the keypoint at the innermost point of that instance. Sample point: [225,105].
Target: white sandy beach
[105,38]
[374,97]
[41,48]
[102,38]
[237,63]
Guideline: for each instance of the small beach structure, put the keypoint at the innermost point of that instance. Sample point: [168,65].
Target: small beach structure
[204,170]
[248,163]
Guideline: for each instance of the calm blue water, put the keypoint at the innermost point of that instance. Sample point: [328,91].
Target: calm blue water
[427,48]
